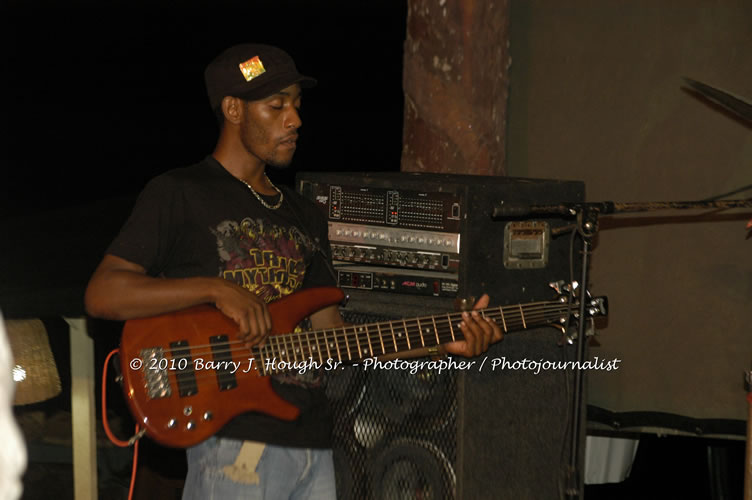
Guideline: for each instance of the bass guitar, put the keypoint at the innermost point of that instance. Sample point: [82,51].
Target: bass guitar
[186,374]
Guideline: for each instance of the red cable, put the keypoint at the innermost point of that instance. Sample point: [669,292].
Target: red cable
[106,425]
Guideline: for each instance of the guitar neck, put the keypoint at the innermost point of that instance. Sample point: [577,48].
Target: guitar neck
[356,342]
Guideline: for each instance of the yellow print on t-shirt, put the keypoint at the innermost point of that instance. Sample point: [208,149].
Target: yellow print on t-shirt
[264,258]
[281,273]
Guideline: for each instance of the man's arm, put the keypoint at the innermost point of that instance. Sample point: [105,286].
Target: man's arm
[120,290]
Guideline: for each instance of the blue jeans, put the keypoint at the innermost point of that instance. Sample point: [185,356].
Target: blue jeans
[228,469]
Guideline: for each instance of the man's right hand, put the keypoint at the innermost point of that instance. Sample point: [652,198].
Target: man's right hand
[246,309]
[121,290]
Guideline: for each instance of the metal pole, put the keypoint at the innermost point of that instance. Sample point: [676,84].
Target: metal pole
[587,222]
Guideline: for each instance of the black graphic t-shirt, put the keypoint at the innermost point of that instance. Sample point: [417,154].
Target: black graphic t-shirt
[202,221]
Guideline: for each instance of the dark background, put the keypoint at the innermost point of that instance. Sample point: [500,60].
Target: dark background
[99,97]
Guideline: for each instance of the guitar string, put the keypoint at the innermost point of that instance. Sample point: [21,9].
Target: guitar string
[351,336]
[513,313]
[360,334]
[211,373]
[444,336]
[360,338]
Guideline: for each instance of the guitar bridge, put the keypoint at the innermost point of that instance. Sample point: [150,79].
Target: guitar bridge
[156,381]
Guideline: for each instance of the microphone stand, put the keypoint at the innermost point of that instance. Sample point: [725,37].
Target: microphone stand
[587,226]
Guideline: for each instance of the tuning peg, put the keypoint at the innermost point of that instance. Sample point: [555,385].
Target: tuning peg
[598,306]
[561,286]
[565,339]
[557,285]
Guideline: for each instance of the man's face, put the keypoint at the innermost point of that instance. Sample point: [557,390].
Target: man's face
[269,128]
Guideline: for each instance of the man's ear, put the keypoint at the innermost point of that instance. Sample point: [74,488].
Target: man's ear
[232,109]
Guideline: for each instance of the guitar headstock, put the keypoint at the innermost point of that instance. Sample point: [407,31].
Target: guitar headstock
[594,307]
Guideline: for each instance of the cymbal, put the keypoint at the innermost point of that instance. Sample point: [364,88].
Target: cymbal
[731,102]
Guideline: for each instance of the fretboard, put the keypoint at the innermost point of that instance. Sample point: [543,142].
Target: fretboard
[356,342]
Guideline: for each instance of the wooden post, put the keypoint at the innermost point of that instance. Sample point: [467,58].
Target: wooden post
[83,411]
[456,79]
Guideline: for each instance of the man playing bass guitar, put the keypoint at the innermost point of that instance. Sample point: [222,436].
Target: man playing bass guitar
[220,233]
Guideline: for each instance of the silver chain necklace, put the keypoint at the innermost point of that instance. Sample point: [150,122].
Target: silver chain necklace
[261,200]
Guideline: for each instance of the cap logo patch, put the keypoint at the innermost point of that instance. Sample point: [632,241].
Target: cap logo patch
[252,68]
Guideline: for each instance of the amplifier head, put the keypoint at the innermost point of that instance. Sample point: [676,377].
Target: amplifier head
[432,234]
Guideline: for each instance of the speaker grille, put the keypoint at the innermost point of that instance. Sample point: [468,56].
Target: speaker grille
[394,429]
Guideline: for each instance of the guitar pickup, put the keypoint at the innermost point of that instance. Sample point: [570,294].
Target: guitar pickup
[223,361]
[186,376]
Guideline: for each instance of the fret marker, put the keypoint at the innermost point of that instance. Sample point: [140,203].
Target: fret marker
[435,329]
[522,315]
[368,338]
[347,342]
[381,338]
[409,347]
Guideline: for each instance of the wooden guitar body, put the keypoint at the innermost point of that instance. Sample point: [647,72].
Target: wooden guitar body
[170,376]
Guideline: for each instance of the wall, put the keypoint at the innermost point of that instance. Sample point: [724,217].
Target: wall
[597,94]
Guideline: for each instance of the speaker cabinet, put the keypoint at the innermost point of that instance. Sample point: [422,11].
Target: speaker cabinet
[497,426]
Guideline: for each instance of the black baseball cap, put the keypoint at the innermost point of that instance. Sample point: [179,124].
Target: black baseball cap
[252,72]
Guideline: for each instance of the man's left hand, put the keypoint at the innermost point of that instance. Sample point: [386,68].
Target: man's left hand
[479,332]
